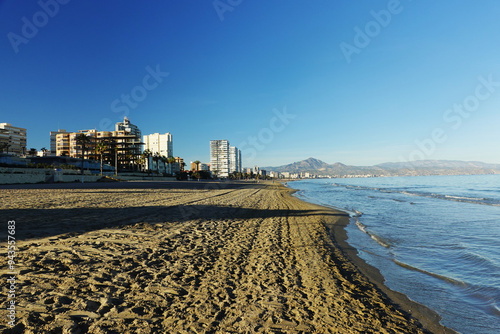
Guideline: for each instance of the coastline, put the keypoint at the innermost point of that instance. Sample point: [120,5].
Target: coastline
[429,319]
[193,256]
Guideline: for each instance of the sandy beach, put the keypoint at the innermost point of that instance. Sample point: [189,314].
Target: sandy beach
[191,257]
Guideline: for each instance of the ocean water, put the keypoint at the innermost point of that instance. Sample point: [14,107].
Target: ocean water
[434,238]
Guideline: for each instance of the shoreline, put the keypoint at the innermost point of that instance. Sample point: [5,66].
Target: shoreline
[192,256]
[429,318]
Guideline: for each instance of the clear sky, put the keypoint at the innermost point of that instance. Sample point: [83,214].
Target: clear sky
[358,82]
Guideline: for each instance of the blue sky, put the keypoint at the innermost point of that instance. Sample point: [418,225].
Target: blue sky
[360,82]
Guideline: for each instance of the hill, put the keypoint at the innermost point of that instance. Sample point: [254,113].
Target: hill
[420,167]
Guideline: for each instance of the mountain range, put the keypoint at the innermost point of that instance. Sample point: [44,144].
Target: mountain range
[419,167]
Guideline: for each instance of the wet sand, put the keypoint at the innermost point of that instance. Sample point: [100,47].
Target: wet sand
[191,257]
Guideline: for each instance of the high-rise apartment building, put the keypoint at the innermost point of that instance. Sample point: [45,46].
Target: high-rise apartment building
[159,143]
[12,139]
[62,144]
[53,141]
[4,140]
[128,127]
[224,159]
[219,157]
[120,147]
[234,159]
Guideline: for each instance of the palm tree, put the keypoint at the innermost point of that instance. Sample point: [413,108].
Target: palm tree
[32,152]
[4,146]
[157,157]
[146,155]
[129,159]
[163,160]
[197,162]
[170,161]
[140,162]
[43,149]
[82,139]
[101,148]
[112,145]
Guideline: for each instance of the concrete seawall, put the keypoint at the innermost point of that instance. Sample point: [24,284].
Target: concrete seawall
[39,175]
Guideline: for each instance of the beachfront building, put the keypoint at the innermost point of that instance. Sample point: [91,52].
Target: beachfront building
[199,166]
[224,159]
[159,143]
[219,157]
[4,140]
[12,139]
[119,148]
[53,141]
[62,144]
[160,146]
[234,160]
[180,162]
[128,127]
[274,175]
[43,154]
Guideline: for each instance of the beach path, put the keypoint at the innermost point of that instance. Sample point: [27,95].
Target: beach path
[180,257]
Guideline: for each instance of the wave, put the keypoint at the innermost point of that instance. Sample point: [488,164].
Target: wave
[455,198]
[381,241]
[360,226]
[486,298]
[483,297]
[496,309]
[441,277]
[478,259]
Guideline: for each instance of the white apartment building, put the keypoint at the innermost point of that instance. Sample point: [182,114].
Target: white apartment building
[219,157]
[128,127]
[12,139]
[53,141]
[224,159]
[234,159]
[159,143]
[275,175]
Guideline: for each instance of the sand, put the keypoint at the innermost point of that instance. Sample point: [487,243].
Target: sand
[191,257]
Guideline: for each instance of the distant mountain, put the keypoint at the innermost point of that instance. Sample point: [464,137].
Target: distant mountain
[438,163]
[420,167]
[310,164]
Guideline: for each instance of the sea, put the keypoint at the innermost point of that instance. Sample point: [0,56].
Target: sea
[434,238]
